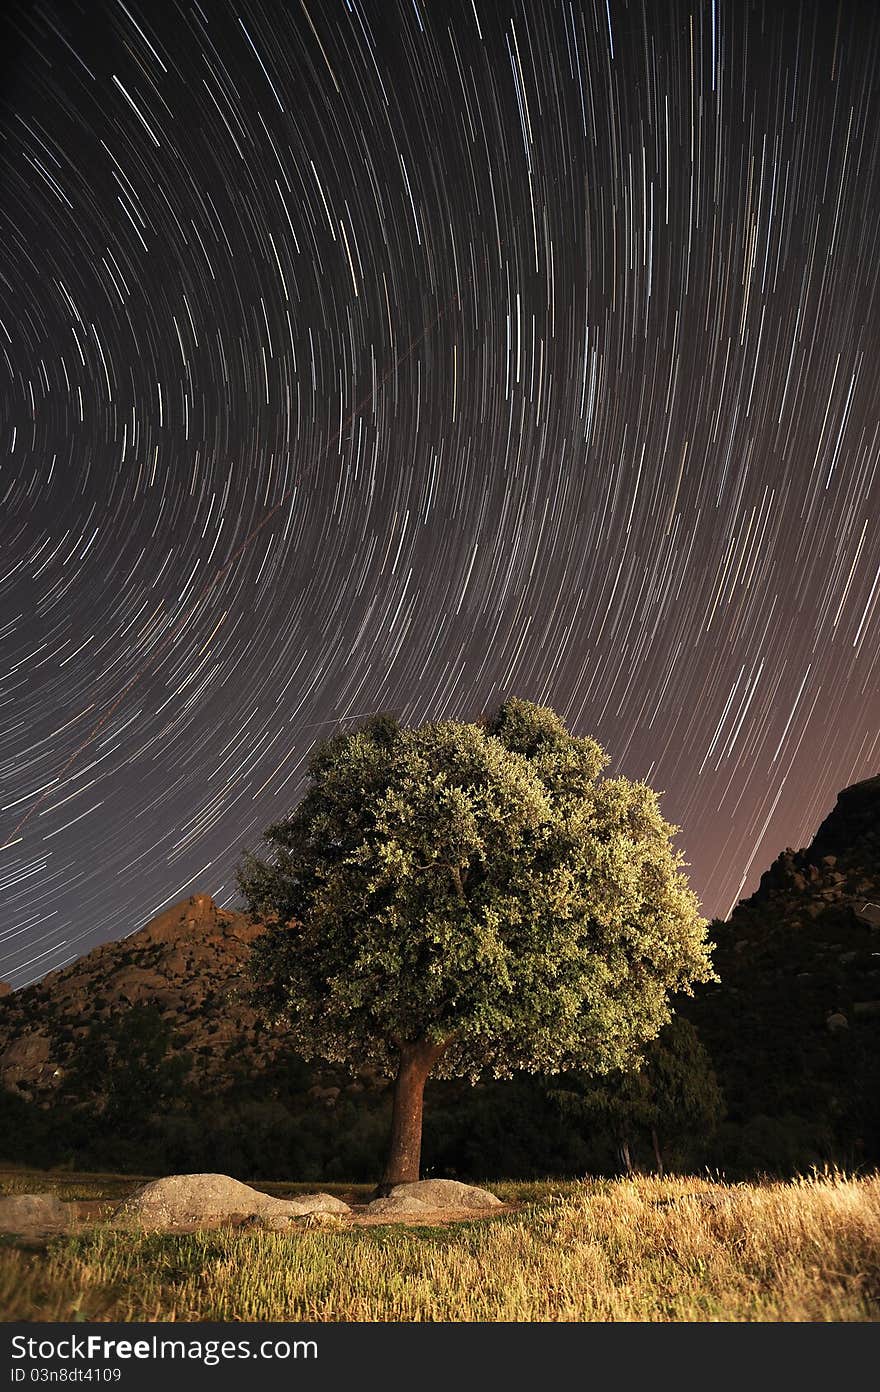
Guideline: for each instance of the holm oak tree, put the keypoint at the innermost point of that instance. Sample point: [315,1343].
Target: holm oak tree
[463,897]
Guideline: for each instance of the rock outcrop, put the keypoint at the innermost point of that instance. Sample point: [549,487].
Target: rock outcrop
[853,825]
[35,1215]
[207,1200]
[425,1194]
[817,907]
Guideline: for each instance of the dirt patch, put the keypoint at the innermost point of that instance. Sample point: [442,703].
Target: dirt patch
[426,1217]
[94,1210]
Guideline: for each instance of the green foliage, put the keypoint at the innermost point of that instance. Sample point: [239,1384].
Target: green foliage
[673,1096]
[27,1133]
[133,1064]
[503,1127]
[478,886]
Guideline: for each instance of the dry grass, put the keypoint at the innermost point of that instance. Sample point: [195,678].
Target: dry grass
[646,1250]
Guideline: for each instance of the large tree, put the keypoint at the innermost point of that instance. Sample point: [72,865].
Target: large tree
[466,897]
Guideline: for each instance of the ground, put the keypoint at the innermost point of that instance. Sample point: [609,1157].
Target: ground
[93,1198]
[682,1248]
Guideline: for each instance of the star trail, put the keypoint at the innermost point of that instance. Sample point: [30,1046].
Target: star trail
[407,356]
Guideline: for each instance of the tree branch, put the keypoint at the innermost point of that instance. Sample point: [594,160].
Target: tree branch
[459,876]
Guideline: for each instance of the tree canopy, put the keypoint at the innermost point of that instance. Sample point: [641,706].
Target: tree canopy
[472,896]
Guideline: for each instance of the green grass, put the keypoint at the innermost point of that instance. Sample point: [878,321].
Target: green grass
[67,1184]
[644,1249]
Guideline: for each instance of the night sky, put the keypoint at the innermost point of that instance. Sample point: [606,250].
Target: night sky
[404,355]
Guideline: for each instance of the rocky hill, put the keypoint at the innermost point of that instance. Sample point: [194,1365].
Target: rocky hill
[187,963]
[815,916]
[793,1027]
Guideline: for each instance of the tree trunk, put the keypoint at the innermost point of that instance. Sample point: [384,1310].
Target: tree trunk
[404,1152]
[625,1158]
[657,1155]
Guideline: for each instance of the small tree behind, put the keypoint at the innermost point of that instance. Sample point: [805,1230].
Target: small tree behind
[461,897]
[672,1096]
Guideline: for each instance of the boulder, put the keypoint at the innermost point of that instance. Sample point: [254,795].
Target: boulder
[26,1060]
[433,1193]
[206,1200]
[31,1214]
[316,1203]
[854,817]
[198,912]
[173,963]
[137,984]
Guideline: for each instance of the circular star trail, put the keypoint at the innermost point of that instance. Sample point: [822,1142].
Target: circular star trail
[407,356]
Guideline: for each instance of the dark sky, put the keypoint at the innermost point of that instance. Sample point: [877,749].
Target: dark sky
[401,355]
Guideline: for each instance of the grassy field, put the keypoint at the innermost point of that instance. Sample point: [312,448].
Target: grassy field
[643,1249]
